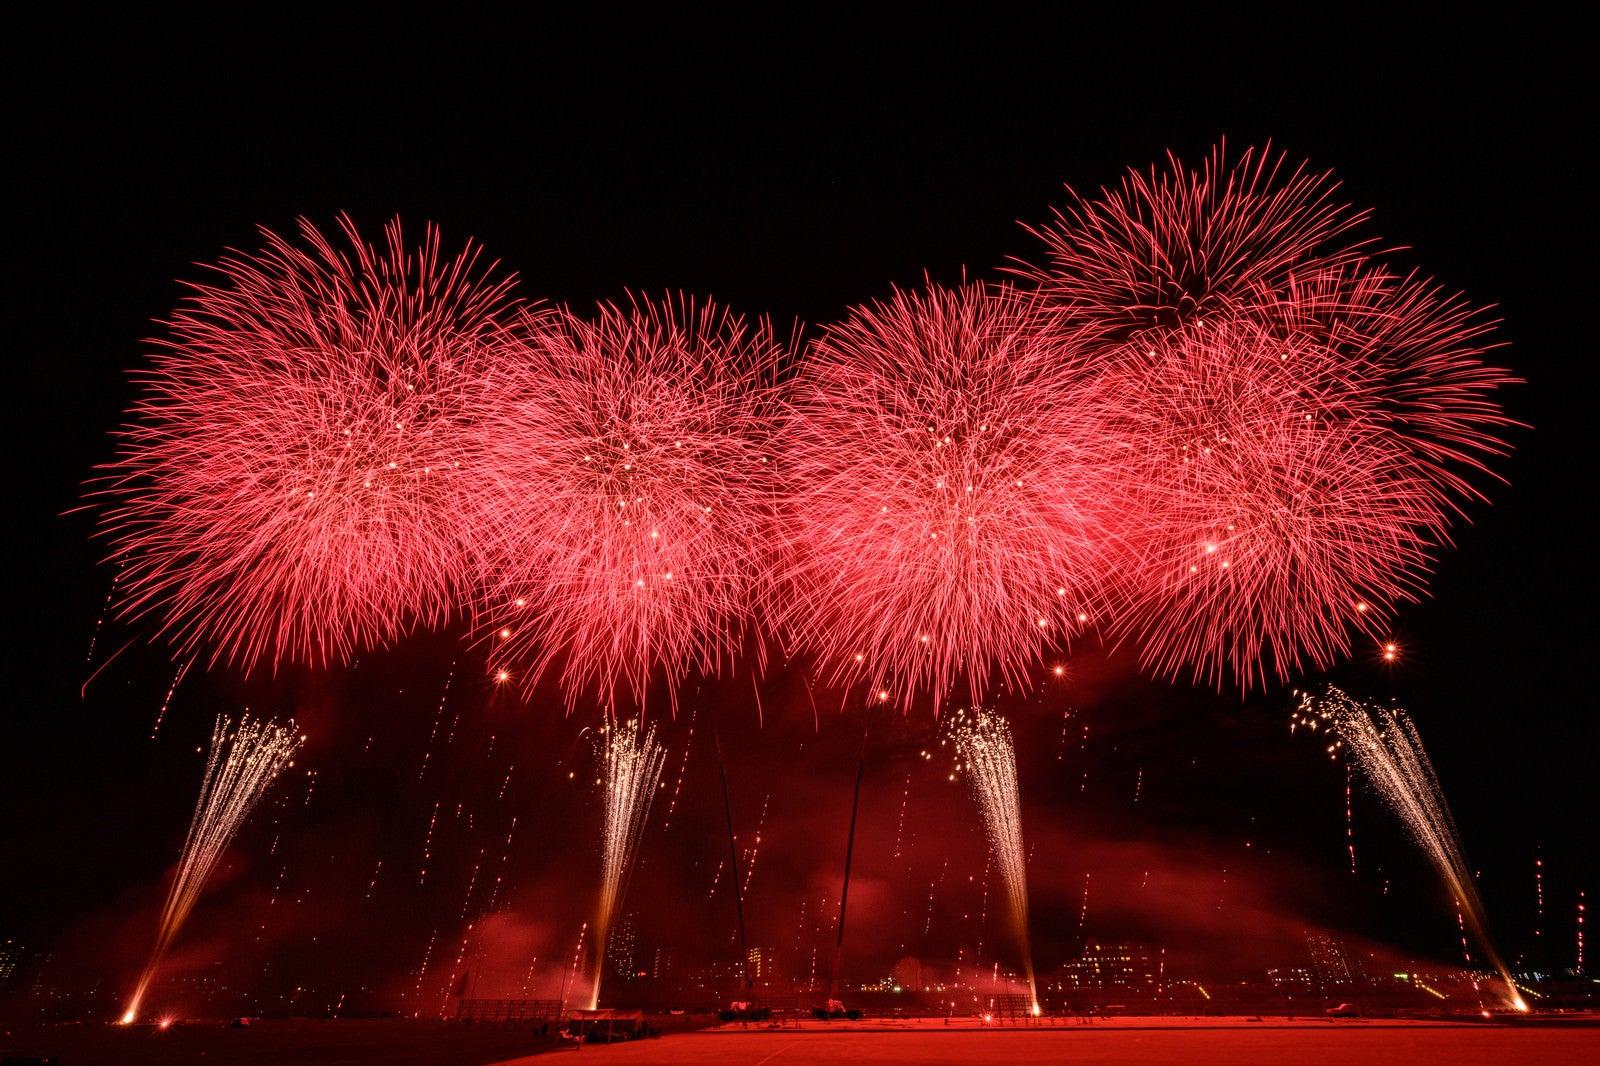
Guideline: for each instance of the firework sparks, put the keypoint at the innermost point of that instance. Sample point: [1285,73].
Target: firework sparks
[505,856]
[1276,523]
[293,485]
[166,702]
[427,954]
[1166,249]
[427,845]
[633,495]
[630,762]
[983,743]
[1389,749]
[243,760]
[677,785]
[1300,425]
[945,509]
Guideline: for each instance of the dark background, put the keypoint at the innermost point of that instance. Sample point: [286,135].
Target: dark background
[790,170]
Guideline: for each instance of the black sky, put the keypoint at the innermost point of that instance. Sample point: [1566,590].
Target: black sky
[790,171]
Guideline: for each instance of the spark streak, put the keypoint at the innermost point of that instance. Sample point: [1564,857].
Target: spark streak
[1386,744]
[983,742]
[630,762]
[242,763]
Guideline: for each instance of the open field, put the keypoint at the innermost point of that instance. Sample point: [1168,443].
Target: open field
[1115,1042]
[1129,1042]
[296,1041]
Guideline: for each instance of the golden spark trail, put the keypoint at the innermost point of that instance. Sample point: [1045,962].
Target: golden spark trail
[243,761]
[984,745]
[1389,749]
[630,769]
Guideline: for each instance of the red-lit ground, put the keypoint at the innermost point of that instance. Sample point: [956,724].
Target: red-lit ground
[1130,1041]
[1122,1042]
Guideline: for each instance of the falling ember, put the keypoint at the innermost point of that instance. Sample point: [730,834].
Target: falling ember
[630,762]
[167,701]
[242,762]
[1386,745]
[427,954]
[427,845]
[1538,888]
[1581,909]
[754,851]
[984,745]
[677,786]
[1349,814]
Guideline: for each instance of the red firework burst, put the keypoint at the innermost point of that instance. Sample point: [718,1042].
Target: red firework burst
[293,485]
[1299,423]
[1419,372]
[1168,248]
[633,504]
[948,513]
[1279,515]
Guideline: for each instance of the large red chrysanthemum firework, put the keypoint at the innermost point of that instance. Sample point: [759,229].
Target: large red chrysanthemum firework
[633,497]
[947,506]
[1299,424]
[1277,516]
[294,484]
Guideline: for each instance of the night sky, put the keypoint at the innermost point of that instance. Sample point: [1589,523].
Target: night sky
[794,175]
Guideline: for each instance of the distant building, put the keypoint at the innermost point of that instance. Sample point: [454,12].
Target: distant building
[662,964]
[907,973]
[1130,966]
[622,949]
[1292,978]
[717,975]
[11,954]
[763,966]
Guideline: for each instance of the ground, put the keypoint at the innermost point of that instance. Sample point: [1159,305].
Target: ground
[1117,1042]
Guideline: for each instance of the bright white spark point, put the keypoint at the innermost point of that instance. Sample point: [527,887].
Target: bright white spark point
[242,762]
[988,756]
[630,761]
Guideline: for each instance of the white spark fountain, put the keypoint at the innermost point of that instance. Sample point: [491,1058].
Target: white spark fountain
[988,758]
[242,762]
[630,764]
[1388,748]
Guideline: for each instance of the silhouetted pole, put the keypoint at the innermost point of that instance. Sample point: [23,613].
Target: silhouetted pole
[849,853]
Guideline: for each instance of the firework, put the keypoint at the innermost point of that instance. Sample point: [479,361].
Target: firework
[630,762]
[988,756]
[1276,519]
[946,511]
[1412,359]
[1168,248]
[293,484]
[632,505]
[1299,424]
[243,760]
[1385,743]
